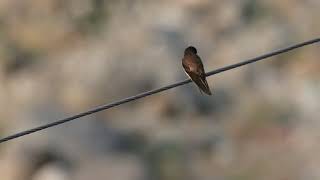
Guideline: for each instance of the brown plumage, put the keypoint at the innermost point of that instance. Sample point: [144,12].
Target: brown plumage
[193,67]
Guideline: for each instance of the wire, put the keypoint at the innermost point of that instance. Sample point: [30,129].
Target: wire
[148,93]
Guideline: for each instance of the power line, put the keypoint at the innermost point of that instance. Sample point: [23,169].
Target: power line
[148,93]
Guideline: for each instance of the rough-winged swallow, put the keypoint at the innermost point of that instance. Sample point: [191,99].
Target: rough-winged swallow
[193,67]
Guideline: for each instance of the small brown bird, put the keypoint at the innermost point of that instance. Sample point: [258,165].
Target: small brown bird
[193,67]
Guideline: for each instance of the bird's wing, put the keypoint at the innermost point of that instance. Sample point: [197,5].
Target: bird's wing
[197,76]
[202,75]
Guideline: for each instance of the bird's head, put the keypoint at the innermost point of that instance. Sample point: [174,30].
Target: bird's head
[190,50]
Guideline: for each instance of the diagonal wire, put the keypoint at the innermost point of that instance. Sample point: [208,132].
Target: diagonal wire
[148,93]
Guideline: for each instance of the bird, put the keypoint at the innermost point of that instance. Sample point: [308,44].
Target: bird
[193,67]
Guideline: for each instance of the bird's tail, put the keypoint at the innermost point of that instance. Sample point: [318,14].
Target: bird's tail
[205,87]
[202,83]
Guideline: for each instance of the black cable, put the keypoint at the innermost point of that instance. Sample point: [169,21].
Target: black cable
[148,93]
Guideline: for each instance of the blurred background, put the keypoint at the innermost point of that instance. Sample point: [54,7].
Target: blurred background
[59,58]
